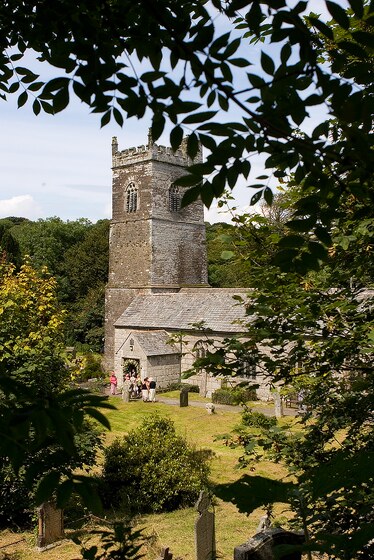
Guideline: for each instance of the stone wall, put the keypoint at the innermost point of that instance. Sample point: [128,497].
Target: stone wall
[116,301]
[152,248]
[213,383]
[164,369]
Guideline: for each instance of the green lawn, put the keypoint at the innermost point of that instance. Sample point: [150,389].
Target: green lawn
[235,523]
[239,492]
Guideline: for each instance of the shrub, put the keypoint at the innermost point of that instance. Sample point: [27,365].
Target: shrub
[234,395]
[190,388]
[256,419]
[152,469]
[87,366]
[181,387]
[16,506]
[17,499]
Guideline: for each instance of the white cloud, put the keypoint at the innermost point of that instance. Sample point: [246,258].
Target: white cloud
[215,214]
[23,205]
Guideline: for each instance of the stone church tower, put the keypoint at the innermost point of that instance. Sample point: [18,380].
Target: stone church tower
[154,245]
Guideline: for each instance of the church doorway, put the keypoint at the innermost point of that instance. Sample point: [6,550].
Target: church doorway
[131,367]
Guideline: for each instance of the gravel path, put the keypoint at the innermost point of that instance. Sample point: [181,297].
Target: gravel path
[265,408]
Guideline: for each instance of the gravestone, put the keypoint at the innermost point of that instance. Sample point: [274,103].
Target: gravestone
[126,391]
[165,554]
[261,546]
[265,523]
[71,352]
[183,398]
[203,383]
[205,538]
[50,525]
[278,405]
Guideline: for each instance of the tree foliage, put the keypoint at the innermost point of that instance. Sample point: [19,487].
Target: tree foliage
[190,66]
[172,59]
[8,244]
[45,434]
[31,328]
[76,254]
[313,335]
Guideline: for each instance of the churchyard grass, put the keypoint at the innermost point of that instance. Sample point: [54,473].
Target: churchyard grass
[176,529]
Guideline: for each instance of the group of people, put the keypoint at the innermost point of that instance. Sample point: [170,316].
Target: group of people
[136,387]
[149,389]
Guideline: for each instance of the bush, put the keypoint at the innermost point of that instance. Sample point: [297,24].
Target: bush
[17,499]
[190,388]
[234,395]
[180,387]
[152,469]
[87,366]
[255,419]
[16,505]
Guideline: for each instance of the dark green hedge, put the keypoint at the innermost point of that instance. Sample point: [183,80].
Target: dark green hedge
[234,396]
[152,469]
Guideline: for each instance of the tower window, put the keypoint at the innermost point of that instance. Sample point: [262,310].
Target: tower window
[131,198]
[174,199]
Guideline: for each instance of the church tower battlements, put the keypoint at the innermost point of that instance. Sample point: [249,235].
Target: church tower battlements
[152,150]
[154,244]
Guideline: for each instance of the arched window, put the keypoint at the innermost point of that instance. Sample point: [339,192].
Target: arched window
[249,366]
[131,198]
[200,349]
[174,199]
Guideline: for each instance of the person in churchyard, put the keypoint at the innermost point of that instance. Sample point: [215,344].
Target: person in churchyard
[145,389]
[133,385]
[302,407]
[113,383]
[138,385]
[152,390]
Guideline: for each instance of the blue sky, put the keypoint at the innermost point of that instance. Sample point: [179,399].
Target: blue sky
[61,165]
[58,165]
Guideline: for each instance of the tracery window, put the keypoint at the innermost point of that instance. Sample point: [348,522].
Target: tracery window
[131,198]
[200,349]
[249,367]
[174,199]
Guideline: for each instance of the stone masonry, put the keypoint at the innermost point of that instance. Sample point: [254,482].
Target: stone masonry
[158,280]
[152,248]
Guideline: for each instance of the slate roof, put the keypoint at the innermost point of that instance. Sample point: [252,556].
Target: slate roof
[178,311]
[154,343]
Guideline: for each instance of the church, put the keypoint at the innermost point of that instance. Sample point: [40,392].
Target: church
[158,289]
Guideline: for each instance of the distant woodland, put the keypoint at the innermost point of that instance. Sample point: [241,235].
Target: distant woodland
[76,254]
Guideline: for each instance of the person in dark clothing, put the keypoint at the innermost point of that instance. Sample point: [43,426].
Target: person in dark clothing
[152,390]
[145,389]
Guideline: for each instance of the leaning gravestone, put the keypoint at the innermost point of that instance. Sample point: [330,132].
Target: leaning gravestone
[50,525]
[205,538]
[183,398]
[262,545]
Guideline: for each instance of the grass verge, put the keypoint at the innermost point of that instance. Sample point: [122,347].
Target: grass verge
[237,507]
